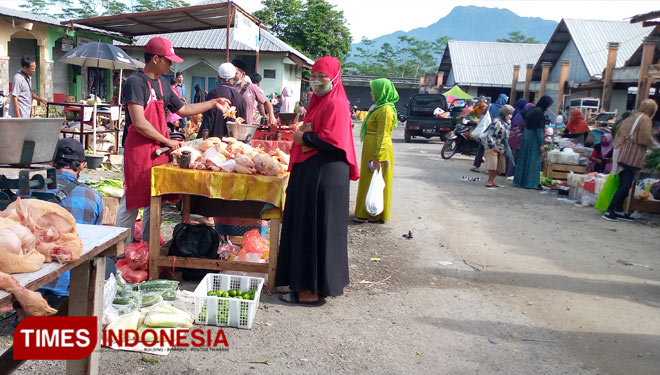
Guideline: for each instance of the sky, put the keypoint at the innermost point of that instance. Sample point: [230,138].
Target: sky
[373,18]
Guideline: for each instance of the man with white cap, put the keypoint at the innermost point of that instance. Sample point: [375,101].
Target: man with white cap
[146,95]
[214,120]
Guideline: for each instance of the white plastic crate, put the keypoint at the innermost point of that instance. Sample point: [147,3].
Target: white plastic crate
[220,311]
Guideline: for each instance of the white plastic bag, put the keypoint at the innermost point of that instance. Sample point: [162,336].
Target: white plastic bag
[480,131]
[374,203]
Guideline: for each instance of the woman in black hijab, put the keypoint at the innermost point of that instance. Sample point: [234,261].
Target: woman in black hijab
[528,168]
[199,95]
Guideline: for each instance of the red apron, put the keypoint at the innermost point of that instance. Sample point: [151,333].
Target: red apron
[140,156]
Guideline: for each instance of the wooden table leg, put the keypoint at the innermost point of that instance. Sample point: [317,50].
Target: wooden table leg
[272,255]
[86,299]
[154,236]
[185,208]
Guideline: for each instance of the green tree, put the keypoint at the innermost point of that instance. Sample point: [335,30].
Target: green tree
[518,37]
[312,26]
[37,6]
[410,57]
[147,5]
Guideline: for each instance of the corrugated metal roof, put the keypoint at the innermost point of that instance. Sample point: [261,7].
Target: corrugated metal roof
[488,63]
[216,39]
[591,38]
[50,21]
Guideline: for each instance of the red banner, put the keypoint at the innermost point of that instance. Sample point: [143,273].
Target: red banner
[55,337]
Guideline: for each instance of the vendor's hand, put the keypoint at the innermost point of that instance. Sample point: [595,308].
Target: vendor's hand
[43,101]
[173,144]
[375,164]
[542,149]
[496,149]
[222,104]
[298,137]
[272,121]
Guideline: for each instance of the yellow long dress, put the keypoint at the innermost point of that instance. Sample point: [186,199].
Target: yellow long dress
[377,144]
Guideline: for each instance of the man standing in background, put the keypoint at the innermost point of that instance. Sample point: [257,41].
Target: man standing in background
[182,94]
[252,95]
[21,92]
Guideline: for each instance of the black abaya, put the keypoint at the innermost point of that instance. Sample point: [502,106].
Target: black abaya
[313,252]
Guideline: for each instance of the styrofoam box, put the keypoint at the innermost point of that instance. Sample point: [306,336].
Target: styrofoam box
[232,312]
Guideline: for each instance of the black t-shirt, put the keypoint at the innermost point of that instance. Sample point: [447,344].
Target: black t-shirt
[136,91]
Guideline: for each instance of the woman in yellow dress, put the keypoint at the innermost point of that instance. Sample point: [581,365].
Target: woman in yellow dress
[376,136]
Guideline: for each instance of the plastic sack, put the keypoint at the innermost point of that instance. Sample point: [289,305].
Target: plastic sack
[109,293]
[137,255]
[374,204]
[137,233]
[607,192]
[254,242]
[129,274]
[482,127]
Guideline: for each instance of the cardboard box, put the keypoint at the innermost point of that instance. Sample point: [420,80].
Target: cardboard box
[111,205]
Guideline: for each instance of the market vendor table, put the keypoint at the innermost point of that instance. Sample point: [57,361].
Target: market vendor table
[241,188]
[88,277]
[100,109]
[635,204]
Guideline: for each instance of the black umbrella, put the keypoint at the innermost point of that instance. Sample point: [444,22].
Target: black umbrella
[101,55]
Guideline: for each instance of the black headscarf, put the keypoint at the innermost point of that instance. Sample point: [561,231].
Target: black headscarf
[199,96]
[535,118]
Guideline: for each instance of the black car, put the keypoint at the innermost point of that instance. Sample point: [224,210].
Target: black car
[420,120]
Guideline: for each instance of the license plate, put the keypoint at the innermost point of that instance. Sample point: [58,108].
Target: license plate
[427,130]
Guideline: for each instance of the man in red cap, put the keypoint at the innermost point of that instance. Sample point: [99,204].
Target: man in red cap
[146,95]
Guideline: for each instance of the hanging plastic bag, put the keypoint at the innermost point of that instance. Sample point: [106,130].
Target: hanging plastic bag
[374,203]
[481,129]
[607,192]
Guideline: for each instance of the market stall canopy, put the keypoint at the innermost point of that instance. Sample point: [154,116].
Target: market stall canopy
[199,17]
[457,93]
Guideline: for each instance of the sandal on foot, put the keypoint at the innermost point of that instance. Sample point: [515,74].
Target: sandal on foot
[292,297]
[492,185]
[360,220]
[475,169]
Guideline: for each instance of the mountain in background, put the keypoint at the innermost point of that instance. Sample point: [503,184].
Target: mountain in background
[472,23]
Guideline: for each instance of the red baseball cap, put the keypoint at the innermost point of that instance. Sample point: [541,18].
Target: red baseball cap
[162,47]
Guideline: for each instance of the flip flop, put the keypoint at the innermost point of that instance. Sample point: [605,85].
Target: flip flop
[292,298]
[360,220]
[475,169]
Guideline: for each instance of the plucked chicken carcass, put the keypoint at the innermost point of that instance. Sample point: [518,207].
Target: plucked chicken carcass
[244,164]
[266,165]
[54,227]
[32,302]
[17,253]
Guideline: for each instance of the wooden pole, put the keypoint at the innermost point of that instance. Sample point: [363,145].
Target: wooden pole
[440,78]
[528,80]
[514,83]
[230,14]
[545,71]
[565,64]
[256,63]
[648,47]
[606,99]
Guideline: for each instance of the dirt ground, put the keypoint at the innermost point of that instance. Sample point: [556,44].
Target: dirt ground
[504,281]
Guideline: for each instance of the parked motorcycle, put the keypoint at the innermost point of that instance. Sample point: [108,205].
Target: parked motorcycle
[460,141]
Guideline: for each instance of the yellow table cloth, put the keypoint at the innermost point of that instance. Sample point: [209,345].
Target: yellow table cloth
[168,179]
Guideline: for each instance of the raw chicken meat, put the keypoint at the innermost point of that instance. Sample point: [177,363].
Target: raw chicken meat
[266,165]
[195,155]
[18,263]
[53,225]
[32,302]
[244,163]
[15,238]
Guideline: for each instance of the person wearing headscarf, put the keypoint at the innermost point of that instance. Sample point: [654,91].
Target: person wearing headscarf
[497,144]
[199,95]
[636,134]
[313,255]
[528,167]
[494,112]
[515,135]
[288,103]
[601,158]
[376,136]
[577,127]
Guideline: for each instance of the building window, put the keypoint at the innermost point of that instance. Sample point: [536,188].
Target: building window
[269,73]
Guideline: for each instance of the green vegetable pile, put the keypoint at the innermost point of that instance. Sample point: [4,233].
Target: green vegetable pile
[653,160]
[113,187]
[547,181]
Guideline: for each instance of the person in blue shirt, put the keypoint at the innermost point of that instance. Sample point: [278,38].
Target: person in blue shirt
[83,202]
[182,90]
